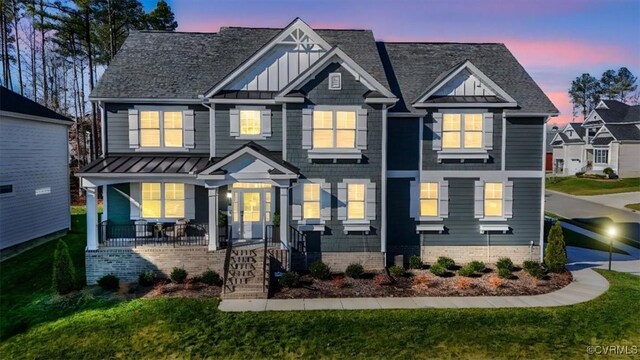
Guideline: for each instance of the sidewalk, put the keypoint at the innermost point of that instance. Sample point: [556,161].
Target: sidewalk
[617,201]
[587,285]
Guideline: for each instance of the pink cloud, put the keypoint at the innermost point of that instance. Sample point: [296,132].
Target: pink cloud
[561,100]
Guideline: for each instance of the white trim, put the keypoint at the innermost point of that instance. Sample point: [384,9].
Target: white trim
[338,76]
[484,174]
[388,101]
[103,128]
[494,228]
[244,101]
[525,114]
[542,191]
[146,100]
[212,129]
[35,118]
[289,99]
[464,105]
[429,228]
[383,185]
[284,131]
[503,152]
[420,143]
[246,150]
[403,174]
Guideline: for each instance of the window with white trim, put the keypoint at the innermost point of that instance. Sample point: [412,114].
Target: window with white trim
[162,200]
[462,131]
[334,129]
[335,81]
[429,199]
[311,201]
[161,129]
[250,122]
[601,156]
[356,201]
[493,199]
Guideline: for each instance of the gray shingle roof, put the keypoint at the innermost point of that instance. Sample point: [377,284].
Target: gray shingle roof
[604,140]
[175,65]
[412,66]
[16,103]
[577,127]
[619,112]
[624,132]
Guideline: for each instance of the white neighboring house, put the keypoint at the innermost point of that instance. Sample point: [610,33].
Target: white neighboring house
[34,170]
[608,138]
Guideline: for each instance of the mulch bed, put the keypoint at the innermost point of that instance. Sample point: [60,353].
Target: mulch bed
[190,289]
[423,283]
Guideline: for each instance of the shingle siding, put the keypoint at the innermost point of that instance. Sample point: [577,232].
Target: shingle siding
[351,94]
[225,143]
[33,155]
[524,143]
[117,118]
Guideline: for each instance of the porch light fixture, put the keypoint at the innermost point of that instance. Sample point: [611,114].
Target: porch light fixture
[612,232]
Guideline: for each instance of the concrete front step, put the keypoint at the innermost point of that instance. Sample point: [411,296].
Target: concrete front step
[245,295]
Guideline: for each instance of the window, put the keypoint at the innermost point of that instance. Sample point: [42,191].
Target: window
[335,81]
[457,134]
[311,201]
[153,198]
[251,207]
[429,199]
[250,122]
[267,206]
[493,196]
[328,134]
[157,133]
[601,156]
[355,201]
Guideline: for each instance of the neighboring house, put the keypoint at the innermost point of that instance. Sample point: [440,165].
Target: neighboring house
[608,138]
[325,144]
[34,170]
[548,160]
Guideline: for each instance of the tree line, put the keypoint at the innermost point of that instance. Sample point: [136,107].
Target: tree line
[586,91]
[54,50]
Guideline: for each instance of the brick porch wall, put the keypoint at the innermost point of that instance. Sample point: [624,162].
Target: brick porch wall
[488,254]
[338,261]
[127,264]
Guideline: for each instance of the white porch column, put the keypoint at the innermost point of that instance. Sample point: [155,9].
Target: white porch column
[213,219]
[284,215]
[92,218]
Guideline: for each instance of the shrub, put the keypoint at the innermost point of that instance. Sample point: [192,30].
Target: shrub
[146,278]
[463,283]
[530,264]
[438,270]
[354,271]
[64,273]
[109,282]
[495,282]
[534,269]
[289,280]
[466,270]
[415,262]
[608,171]
[555,255]
[211,277]
[579,173]
[319,270]
[477,266]
[178,275]
[504,263]
[397,271]
[505,273]
[446,262]
[421,282]
[612,176]
[382,280]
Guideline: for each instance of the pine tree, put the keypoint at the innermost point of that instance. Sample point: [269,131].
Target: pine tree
[585,93]
[162,18]
[64,273]
[555,255]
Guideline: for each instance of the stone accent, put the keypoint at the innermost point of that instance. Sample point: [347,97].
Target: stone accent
[338,261]
[128,263]
[488,254]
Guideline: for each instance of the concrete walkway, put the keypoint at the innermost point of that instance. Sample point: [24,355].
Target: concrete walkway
[589,207]
[587,285]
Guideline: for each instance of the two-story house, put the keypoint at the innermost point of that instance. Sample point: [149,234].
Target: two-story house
[608,138]
[323,144]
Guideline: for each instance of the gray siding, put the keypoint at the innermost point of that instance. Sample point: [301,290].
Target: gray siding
[117,118]
[430,156]
[524,143]
[33,155]
[463,228]
[403,146]
[402,237]
[352,93]
[226,143]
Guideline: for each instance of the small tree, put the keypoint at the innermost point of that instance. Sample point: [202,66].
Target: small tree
[64,273]
[555,255]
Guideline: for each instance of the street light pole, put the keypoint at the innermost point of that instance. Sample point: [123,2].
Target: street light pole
[612,233]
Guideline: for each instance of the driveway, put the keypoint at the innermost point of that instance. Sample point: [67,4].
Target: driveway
[589,207]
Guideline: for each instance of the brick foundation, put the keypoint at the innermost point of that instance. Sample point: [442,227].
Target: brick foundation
[127,264]
[488,254]
[338,261]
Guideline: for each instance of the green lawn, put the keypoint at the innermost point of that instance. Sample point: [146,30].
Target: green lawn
[633,206]
[580,186]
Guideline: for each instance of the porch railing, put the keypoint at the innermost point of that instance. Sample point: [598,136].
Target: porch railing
[224,234]
[132,235]
[272,235]
[297,240]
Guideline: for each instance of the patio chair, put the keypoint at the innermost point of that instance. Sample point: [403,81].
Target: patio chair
[142,229]
[179,230]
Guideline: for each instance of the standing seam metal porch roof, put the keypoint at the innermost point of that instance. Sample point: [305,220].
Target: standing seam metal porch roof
[147,164]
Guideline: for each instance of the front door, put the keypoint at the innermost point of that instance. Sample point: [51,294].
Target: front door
[250,213]
[251,210]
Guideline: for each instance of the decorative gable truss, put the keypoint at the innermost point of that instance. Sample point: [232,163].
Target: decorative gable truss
[465,86]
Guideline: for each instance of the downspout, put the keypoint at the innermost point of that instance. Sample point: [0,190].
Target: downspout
[212,129]
[542,188]
[103,129]
[383,188]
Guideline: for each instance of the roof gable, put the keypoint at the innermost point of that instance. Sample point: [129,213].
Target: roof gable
[465,80]
[16,103]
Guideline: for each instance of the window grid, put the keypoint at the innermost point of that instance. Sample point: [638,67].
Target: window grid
[330,134]
[493,198]
[355,201]
[149,129]
[601,156]
[250,122]
[311,201]
[429,199]
[161,129]
[457,134]
[154,195]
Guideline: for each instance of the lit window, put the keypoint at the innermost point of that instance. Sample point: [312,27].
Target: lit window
[151,200]
[355,201]
[250,122]
[174,200]
[328,134]
[251,204]
[267,206]
[173,129]
[493,199]
[601,156]
[456,136]
[429,199]
[311,201]
[149,129]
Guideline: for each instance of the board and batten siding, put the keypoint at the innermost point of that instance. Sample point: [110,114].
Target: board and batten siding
[335,240]
[524,143]
[117,119]
[33,155]
[226,144]
[464,228]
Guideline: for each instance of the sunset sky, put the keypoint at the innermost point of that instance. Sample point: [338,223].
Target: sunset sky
[555,40]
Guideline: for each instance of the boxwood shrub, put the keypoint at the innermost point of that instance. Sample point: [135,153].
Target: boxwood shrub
[438,270]
[466,270]
[319,270]
[477,266]
[415,262]
[109,282]
[146,278]
[354,271]
[211,277]
[446,262]
[505,263]
[289,280]
[397,271]
[178,275]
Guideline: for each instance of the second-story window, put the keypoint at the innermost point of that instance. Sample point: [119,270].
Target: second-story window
[250,122]
[457,134]
[161,129]
[334,129]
